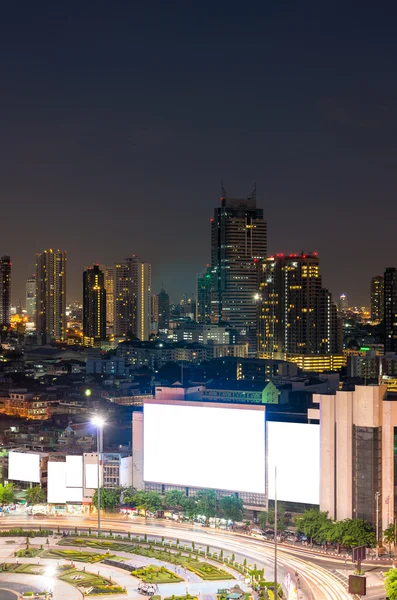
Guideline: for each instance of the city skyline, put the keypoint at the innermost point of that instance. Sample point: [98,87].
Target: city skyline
[108,150]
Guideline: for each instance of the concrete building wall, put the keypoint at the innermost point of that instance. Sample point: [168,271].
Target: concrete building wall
[327,453]
[137,451]
[388,500]
[344,454]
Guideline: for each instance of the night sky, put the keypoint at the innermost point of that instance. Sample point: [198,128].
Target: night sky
[120,120]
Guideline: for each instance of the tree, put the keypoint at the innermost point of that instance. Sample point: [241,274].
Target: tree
[354,532]
[127,495]
[110,498]
[268,518]
[174,499]
[314,524]
[389,535]
[207,504]
[232,507]
[147,501]
[7,494]
[190,507]
[35,495]
[391,584]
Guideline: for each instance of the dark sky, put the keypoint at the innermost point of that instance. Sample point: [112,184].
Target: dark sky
[119,121]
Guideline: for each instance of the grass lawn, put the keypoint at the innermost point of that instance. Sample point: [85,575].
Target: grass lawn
[28,552]
[153,574]
[77,555]
[95,543]
[204,570]
[24,568]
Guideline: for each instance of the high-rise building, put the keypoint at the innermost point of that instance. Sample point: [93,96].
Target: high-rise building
[109,287]
[377,302]
[94,306]
[390,309]
[51,294]
[164,311]
[132,305]
[5,291]
[155,314]
[343,303]
[297,315]
[238,244]
[31,297]
[203,295]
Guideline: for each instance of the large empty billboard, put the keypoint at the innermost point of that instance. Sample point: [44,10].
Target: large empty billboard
[294,449]
[205,446]
[24,466]
[65,480]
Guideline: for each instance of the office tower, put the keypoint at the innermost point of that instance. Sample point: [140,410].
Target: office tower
[203,295]
[297,315]
[238,243]
[155,314]
[31,297]
[51,294]
[343,303]
[390,309]
[94,306]
[109,274]
[5,291]
[164,311]
[377,302]
[132,305]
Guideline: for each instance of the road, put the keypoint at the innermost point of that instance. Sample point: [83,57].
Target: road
[319,579]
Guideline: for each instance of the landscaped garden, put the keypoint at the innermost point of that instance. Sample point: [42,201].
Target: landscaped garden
[185,558]
[28,552]
[92,584]
[153,574]
[76,555]
[26,568]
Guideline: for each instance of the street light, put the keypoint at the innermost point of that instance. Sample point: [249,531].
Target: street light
[88,392]
[377,494]
[98,422]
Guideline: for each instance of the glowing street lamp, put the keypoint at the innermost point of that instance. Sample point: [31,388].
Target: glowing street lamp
[88,393]
[98,422]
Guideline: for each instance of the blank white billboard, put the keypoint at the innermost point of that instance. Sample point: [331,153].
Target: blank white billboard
[295,449]
[24,466]
[91,476]
[205,446]
[56,483]
[74,471]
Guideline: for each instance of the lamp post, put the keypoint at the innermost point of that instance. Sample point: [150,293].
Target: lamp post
[377,494]
[275,534]
[99,423]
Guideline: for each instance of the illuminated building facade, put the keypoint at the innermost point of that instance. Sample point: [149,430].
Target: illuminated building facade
[94,306]
[51,294]
[203,295]
[343,303]
[155,314]
[297,315]
[5,291]
[390,309]
[163,311]
[109,287]
[31,297]
[132,305]
[377,298]
[238,244]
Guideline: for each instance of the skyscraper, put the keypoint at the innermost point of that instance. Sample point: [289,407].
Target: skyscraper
[203,295]
[164,311]
[132,305]
[390,309]
[108,273]
[31,297]
[377,302]
[297,314]
[343,303]
[94,306]
[51,294]
[5,291]
[238,244]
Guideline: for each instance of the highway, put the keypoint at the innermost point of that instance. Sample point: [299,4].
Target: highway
[316,581]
